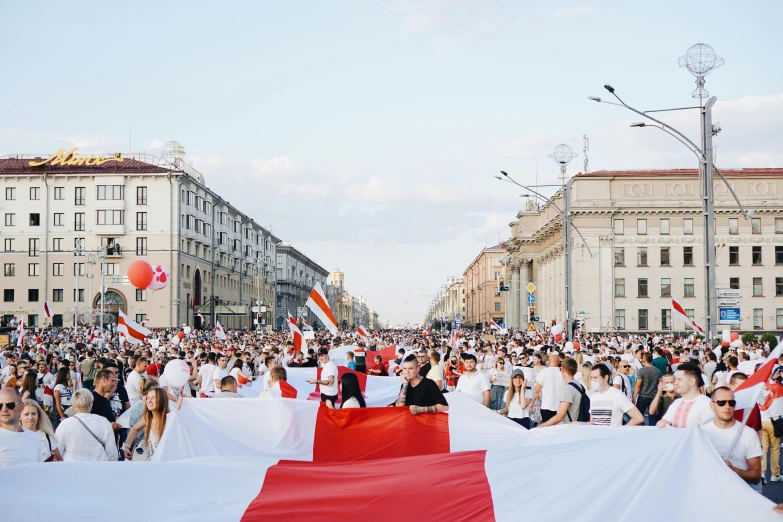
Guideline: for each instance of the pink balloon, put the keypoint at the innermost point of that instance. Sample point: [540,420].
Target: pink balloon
[160,278]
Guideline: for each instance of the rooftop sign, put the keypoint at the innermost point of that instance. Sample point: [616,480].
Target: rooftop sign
[72,158]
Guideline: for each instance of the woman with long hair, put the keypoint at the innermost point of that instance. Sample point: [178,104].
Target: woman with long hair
[153,422]
[351,393]
[34,419]
[12,379]
[62,396]
[30,389]
[517,404]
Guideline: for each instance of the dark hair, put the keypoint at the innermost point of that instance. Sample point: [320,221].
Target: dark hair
[733,361]
[30,384]
[350,388]
[225,381]
[712,357]
[647,357]
[603,370]
[737,377]
[212,357]
[63,376]
[570,366]
[103,374]
[410,358]
[468,357]
[691,370]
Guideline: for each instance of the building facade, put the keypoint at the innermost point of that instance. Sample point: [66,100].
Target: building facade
[645,230]
[449,304]
[483,300]
[296,277]
[73,221]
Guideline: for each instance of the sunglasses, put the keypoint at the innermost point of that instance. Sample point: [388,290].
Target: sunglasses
[722,403]
[10,405]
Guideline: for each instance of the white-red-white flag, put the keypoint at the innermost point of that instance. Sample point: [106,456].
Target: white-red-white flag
[454,339]
[494,325]
[679,313]
[362,331]
[47,309]
[201,317]
[296,332]
[305,324]
[219,332]
[753,389]
[20,333]
[145,321]
[133,332]
[320,307]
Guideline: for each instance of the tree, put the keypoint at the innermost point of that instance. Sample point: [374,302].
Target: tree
[435,325]
[748,337]
[771,339]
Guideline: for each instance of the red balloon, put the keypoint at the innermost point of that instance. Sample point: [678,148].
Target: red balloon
[724,344]
[558,337]
[734,336]
[140,274]
[181,335]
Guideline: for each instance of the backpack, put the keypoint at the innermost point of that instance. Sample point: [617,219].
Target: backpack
[584,404]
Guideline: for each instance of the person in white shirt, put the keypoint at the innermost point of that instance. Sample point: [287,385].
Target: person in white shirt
[220,372]
[473,383]
[269,363]
[85,436]
[692,408]
[608,404]
[621,380]
[207,383]
[17,445]
[737,444]
[328,380]
[133,384]
[549,385]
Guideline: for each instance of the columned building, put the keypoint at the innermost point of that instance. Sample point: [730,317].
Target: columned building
[296,277]
[645,230]
[483,300]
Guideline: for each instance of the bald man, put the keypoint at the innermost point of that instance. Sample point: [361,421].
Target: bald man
[17,445]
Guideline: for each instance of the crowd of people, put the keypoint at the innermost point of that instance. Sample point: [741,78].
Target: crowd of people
[69,394]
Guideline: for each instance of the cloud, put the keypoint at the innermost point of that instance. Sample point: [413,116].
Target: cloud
[156,145]
[573,12]
[307,191]
[277,165]
[374,190]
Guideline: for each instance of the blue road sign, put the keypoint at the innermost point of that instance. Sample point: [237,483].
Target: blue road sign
[729,315]
[531,299]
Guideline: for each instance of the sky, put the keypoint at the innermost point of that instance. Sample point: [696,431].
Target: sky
[367,133]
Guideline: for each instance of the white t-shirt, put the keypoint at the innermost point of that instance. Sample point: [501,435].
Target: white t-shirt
[65,395]
[618,380]
[552,383]
[515,410]
[351,403]
[132,386]
[747,367]
[207,383]
[329,370]
[685,414]
[217,376]
[20,447]
[747,447]
[474,386]
[607,407]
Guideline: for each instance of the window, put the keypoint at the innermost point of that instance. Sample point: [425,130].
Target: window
[59,193]
[207,230]
[78,222]
[78,268]
[191,198]
[756,255]
[10,220]
[141,195]
[778,286]
[779,225]
[78,195]
[687,256]
[9,269]
[779,318]
[758,318]
[111,192]
[140,318]
[666,318]
[497,307]
[32,295]
[641,287]
[110,268]
[642,319]
[665,257]
[81,295]
[758,287]
[236,226]
[141,295]
[10,193]
[619,287]
[35,193]
[58,269]
[734,283]
[8,295]
[57,244]
[141,246]
[733,226]
[779,255]
[32,246]
[755,225]
[687,226]
[141,221]
[664,227]
[641,226]
[688,287]
[59,218]
[110,217]
[9,244]
[190,222]
[32,320]
[33,269]
[35,220]
[618,226]
[223,238]
[57,295]
[57,320]
[666,287]
[734,256]
[619,319]
[619,257]
[641,256]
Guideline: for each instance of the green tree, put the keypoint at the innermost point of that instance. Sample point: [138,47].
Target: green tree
[769,338]
[748,337]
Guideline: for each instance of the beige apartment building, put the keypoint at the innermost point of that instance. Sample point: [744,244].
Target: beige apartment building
[483,300]
[645,231]
[71,221]
[449,304]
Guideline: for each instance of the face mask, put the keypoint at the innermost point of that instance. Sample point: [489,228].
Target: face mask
[596,384]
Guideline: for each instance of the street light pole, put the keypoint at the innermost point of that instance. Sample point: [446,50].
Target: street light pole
[569,287]
[708,206]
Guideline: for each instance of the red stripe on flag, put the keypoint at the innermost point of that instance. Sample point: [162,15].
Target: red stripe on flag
[323,305]
[376,433]
[131,332]
[678,307]
[386,490]
[387,353]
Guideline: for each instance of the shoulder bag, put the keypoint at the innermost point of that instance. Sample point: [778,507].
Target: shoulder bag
[94,436]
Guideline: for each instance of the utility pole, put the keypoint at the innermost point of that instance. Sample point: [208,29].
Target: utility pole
[77,252]
[708,211]
[568,287]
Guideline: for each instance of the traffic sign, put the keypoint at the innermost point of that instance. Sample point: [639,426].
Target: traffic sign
[459,324]
[729,316]
[582,313]
[530,287]
[733,303]
[531,299]
[531,327]
[729,292]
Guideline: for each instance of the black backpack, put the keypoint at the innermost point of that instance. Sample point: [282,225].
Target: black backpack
[584,404]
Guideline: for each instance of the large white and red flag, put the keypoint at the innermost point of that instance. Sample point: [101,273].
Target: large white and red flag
[493,325]
[679,313]
[305,324]
[20,333]
[318,304]
[295,332]
[753,390]
[362,331]
[133,332]
[219,332]
[47,309]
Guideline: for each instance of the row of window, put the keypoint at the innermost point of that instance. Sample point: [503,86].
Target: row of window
[687,256]
[643,290]
[643,319]
[687,226]
[34,244]
[103,192]
[58,294]
[102,217]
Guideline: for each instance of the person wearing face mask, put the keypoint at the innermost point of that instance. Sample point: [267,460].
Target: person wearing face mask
[608,404]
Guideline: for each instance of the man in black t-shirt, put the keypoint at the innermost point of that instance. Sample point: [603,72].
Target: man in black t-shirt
[105,384]
[420,394]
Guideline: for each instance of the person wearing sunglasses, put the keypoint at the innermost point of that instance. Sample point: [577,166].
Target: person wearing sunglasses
[743,457]
[17,445]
